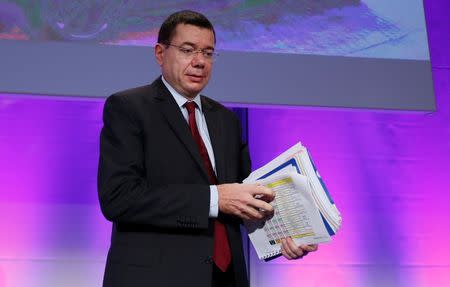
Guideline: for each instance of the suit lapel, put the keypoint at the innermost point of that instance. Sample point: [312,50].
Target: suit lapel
[215,130]
[174,117]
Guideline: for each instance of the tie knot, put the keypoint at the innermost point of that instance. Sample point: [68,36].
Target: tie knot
[190,106]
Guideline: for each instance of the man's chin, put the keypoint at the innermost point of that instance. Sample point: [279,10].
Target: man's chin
[196,88]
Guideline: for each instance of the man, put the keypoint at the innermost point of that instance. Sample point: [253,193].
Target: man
[170,163]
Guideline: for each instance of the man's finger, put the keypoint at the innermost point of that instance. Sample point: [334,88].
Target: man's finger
[294,248]
[294,254]
[242,215]
[309,247]
[251,212]
[284,253]
[260,191]
[259,204]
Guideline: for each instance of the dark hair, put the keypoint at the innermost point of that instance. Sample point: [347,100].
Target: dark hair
[167,30]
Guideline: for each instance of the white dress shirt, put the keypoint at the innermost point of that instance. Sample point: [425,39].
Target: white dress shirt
[203,130]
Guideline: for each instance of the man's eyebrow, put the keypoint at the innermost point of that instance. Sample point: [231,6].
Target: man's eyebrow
[187,43]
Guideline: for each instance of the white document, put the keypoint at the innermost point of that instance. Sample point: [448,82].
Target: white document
[304,209]
[295,215]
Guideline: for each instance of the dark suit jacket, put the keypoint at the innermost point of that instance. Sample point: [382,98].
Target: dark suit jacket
[154,188]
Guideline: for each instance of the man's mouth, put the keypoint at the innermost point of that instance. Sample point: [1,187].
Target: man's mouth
[195,77]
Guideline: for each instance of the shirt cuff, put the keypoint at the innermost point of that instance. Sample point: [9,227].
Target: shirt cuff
[214,202]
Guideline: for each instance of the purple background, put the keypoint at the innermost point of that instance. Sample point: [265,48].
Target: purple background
[388,173]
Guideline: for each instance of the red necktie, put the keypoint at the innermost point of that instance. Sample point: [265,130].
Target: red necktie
[222,252]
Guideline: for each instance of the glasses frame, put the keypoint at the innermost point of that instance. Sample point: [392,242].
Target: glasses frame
[208,53]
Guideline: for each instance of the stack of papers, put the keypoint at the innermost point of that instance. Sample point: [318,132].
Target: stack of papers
[303,207]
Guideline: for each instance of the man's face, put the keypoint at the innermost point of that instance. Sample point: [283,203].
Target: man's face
[188,75]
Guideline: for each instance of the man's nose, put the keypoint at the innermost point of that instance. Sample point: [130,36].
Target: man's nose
[198,60]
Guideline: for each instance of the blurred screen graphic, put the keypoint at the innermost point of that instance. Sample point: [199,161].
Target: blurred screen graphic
[328,53]
[370,28]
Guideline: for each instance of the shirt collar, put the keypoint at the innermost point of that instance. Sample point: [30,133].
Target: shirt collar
[179,98]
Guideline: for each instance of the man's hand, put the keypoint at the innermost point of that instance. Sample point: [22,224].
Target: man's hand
[290,250]
[247,201]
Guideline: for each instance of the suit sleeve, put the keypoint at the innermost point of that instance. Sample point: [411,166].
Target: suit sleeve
[245,166]
[125,194]
[245,163]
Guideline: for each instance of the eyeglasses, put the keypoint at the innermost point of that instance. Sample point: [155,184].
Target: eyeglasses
[190,52]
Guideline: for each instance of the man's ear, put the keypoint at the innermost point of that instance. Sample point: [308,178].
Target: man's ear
[159,53]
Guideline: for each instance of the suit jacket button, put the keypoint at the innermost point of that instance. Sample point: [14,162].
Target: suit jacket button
[209,260]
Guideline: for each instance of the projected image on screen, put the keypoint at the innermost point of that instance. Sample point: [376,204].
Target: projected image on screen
[362,28]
